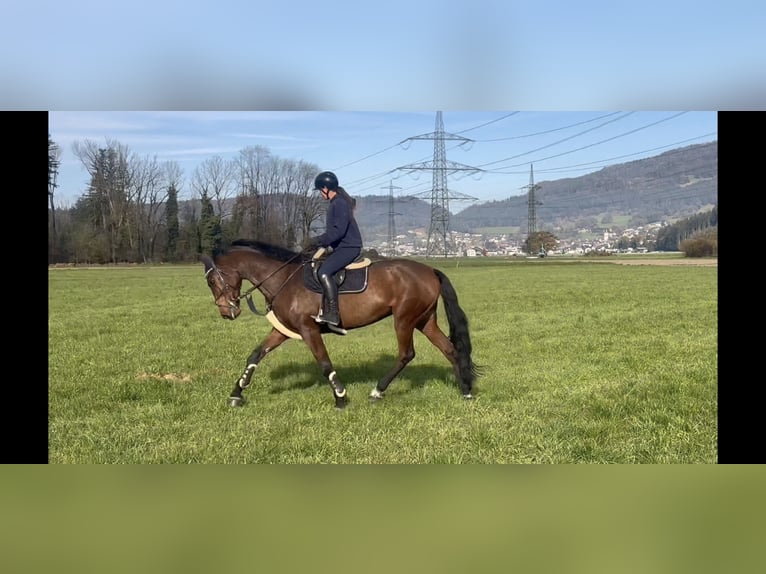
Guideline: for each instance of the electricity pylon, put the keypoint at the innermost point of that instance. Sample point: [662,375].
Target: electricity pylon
[531,203]
[438,231]
[391,244]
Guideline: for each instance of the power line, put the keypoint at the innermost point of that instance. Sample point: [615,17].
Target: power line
[559,141]
[365,157]
[488,123]
[548,131]
[595,164]
[589,145]
[371,182]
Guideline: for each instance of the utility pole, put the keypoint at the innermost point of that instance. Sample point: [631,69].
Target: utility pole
[438,231]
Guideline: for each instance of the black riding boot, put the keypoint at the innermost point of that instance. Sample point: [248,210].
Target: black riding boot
[330,300]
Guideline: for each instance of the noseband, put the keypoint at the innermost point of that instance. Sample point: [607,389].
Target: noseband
[233,303]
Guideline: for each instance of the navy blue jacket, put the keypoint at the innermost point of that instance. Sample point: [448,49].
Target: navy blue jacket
[341,229]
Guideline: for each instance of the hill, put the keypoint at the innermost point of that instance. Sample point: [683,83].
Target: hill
[666,187]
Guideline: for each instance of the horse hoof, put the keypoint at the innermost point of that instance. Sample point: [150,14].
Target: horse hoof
[341,402]
[468,397]
[375,394]
[236,401]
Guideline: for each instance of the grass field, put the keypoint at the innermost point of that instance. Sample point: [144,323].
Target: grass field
[584,362]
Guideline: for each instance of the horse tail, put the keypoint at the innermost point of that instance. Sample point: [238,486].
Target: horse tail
[459,335]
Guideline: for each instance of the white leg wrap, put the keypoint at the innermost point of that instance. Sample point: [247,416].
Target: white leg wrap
[376,394]
[242,380]
[332,376]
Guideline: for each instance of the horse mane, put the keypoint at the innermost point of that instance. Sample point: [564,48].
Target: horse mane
[273,251]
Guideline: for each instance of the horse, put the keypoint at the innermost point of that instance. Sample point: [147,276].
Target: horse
[405,289]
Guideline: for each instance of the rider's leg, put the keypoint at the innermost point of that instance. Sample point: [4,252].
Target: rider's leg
[330,299]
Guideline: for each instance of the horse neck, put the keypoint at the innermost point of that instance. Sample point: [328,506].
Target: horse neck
[261,270]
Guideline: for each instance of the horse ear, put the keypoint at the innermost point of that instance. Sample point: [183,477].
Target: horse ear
[208,262]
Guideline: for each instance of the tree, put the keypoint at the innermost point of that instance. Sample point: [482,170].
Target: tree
[189,243]
[540,241]
[622,243]
[171,223]
[109,193]
[215,179]
[300,206]
[253,163]
[311,206]
[54,155]
[209,228]
[149,193]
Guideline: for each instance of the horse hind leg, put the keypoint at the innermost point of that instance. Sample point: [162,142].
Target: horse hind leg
[406,354]
[272,341]
[437,337]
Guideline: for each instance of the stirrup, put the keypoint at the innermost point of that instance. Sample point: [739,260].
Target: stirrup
[318,316]
[319,319]
[336,328]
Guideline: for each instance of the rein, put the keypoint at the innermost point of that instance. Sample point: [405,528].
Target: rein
[248,295]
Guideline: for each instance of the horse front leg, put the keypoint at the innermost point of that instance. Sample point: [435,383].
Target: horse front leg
[272,341]
[313,339]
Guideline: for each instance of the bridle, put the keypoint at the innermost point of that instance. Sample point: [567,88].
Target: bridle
[233,302]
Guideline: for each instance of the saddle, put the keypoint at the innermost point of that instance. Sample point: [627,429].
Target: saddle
[351,279]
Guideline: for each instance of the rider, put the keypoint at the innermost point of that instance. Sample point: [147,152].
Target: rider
[341,235]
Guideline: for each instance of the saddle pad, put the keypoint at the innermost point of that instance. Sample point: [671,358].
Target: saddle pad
[277,324]
[355,281]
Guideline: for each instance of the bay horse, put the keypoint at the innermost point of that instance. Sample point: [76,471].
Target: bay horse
[405,289]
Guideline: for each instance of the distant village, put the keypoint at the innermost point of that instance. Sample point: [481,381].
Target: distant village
[415,243]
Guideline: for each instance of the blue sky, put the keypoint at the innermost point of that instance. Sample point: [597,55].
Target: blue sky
[407,59]
[368,149]
[391,56]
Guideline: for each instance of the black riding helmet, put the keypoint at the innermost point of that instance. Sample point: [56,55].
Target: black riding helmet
[326,179]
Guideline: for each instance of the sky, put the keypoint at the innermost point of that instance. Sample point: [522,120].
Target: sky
[499,153]
[393,56]
[474,61]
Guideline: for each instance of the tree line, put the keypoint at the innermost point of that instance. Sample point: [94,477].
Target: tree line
[695,235]
[131,211]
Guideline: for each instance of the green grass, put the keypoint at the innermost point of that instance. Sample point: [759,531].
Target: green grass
[584,362]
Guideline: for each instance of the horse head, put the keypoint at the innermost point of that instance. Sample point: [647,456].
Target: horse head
[224,284]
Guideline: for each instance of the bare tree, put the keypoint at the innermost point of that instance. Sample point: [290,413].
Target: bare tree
[54,156]
[301,205]
[173,174]
[168,225]
[253,162]
[109,195]
[150,195]
[216,179]
[311,207]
